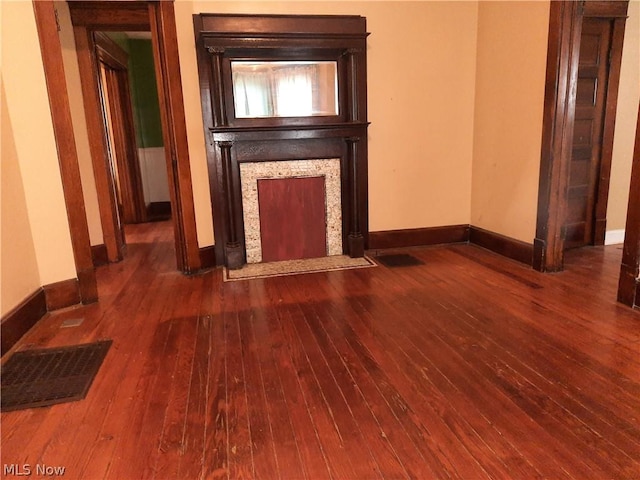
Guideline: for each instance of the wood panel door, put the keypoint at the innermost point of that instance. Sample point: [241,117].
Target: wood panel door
[292,218]
[586,155]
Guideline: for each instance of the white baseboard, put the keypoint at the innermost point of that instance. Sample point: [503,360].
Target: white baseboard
[613,237]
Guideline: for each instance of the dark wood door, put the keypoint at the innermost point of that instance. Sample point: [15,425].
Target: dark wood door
[585,165]
[292,218]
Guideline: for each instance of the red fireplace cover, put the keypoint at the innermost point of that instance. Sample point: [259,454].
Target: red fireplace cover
[292,218]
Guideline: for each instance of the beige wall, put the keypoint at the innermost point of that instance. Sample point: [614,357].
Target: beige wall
[421,80]
[193,112]
[511,64]
[626,118]
[19,275]
[31,147]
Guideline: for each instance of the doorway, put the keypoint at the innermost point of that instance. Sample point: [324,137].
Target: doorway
[565,29]
[590,156]
[116,103]
[131,111]
[577,141]
[158,18]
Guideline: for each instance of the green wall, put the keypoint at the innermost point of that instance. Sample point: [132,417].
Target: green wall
[144,94]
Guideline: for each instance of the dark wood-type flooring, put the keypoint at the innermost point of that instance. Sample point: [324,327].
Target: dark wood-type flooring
[470,366]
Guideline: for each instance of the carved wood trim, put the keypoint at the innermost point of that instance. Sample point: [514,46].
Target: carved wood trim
[219,107]
[221,38]
[356,241]
[352,69]
[233,246]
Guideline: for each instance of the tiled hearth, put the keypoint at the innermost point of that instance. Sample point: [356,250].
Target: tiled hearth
[251,172]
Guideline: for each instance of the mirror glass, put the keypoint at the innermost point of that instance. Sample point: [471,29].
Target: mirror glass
[285,89]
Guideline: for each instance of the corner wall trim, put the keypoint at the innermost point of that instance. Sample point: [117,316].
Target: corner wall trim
[414,237]
[502,245]
[99,255]
[208,257]
[19,320]
[62,294]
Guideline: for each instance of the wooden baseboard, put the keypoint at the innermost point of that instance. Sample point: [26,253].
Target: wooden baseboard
[99,255]
[539,246]
[600,231]
[158,211]
[50,297]
[500,244]
[19,320]
[62,294]
[415,237]
[88,286]
[207,257]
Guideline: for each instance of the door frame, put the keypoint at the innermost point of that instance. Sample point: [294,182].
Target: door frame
[158,17]
[46,24]
[123,135]
[629,284]
[565,28]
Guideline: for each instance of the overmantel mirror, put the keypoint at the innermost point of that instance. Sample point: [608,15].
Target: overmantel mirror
[284,102]
[284,88]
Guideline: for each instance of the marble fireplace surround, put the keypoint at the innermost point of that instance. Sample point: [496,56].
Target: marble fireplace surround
[251,172]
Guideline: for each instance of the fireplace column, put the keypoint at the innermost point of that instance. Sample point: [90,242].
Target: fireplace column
[233,249]
[355,238]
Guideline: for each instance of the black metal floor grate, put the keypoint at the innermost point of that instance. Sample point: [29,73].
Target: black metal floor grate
[399,260]
[38,378]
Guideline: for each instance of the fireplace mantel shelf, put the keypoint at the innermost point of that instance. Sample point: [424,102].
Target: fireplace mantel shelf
[280,128]
[289,132]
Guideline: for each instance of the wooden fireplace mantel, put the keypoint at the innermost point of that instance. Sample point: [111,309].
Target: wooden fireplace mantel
[220,39]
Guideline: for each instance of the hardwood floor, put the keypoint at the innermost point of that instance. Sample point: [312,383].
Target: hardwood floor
[470,366]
